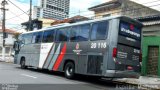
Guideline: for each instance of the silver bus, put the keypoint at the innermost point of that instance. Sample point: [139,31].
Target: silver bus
[106,47]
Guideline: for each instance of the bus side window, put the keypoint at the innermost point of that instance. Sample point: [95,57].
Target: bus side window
[99,31]
[74,33]
[37,37]
[80,33]
[63,35]
[84,32]
[48,36]
[27,38]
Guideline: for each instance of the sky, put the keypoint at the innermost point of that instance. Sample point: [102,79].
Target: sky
[14,16]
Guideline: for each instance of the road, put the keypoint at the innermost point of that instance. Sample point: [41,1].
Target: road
[12,76]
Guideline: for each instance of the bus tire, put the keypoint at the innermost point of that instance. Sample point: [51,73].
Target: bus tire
[23,66]
[69,70]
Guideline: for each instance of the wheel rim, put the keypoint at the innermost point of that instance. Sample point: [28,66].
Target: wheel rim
[69,71]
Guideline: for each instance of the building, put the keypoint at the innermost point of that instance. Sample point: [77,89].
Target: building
[122,7]
[37,24]
[56,9]
[37,12]
[74,19]
[46,22]
[151,45]
[9,41]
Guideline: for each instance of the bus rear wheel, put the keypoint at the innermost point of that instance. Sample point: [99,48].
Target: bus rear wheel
[23,66]
[69,70]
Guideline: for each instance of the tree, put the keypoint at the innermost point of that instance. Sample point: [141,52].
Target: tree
[16,35]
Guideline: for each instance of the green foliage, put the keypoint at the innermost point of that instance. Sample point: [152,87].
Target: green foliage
[16,35]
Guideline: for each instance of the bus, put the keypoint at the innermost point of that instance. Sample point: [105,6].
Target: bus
[106,47]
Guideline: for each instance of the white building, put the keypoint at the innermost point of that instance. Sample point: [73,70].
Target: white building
[57,9]
[9,41]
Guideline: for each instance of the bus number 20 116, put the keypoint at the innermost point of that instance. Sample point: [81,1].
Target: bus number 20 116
[98,45]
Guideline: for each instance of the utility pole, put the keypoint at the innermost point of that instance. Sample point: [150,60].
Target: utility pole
[4,2]
[30,16]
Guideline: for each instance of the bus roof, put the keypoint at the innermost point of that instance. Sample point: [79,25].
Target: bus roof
[85,22]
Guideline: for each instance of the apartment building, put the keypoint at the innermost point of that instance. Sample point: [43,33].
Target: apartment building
[57,9]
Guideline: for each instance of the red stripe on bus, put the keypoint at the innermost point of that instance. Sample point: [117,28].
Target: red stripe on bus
[60,58]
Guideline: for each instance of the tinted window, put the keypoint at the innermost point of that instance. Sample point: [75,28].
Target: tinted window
[80,33]
[48,36]
[62,34]
[84,32]
[99,30]
[37,37]
[74,33]
[27,38]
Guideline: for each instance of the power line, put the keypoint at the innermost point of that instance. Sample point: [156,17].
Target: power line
[130,6]
[16,16]
[117,11]
[151,2]
[97,16]
[131,9]
[81,11]
[18,7]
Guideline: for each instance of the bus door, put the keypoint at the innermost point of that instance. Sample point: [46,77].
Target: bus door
[47,49]
[25,48]
[35,48]
[128,47]
[61,47]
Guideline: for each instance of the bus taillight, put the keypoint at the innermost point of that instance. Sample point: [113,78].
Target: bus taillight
[129,68]
[114,53]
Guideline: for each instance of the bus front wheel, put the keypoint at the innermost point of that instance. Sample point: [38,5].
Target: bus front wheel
[69,70]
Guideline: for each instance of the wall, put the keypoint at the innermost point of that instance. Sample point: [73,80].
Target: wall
[152,30]
[46,22]
[8,47]
[149,41]
[9,40]
[128,8]
[134,10]
[112,12]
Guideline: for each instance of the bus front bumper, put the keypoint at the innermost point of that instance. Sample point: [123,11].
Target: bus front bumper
[122,74]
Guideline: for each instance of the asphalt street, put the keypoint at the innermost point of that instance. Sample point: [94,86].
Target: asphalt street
[12,77]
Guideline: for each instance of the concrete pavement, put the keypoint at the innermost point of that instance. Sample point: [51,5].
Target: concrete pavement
[11,74]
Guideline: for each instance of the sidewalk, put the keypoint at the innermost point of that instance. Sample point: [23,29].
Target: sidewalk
[143,82]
